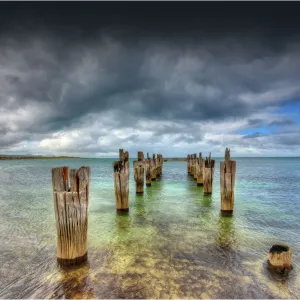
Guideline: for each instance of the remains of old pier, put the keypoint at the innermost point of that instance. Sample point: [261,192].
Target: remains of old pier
[148,170]
[199,170]
[280,257]
[227,182]
[209,167]
[188,159]
[121,180]
[139,170]
[71,198]
[153,168]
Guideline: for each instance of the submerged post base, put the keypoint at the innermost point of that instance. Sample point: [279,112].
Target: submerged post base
[74,261]
[148,184]
[207,194]
[122,209]
[140,193]
[226,211]
[199,184]
[153,179]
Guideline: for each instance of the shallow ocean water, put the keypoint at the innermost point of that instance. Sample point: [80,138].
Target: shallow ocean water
[173,243]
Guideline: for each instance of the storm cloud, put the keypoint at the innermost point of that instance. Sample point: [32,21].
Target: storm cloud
[91,87]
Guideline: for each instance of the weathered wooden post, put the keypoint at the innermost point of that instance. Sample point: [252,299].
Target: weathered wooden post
[188,159]
[148,170]
[280,257]
[227,181]
[153,168]
[161,163]
[192,165]
[195,167]
[139,170]
[71,198]
[200,168]
[157,165]
[121,180]
[209,167]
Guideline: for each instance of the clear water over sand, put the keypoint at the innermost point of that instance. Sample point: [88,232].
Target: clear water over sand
[173,243]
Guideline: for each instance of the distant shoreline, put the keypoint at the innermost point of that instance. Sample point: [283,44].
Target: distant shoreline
[16,157]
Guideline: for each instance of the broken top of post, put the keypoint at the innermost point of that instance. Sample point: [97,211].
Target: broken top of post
[227,154]
[140,156]
[71,197]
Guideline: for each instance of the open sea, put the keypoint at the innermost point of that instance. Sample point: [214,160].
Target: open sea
[173,243]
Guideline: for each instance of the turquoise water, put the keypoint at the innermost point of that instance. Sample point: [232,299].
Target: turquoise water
[174,243]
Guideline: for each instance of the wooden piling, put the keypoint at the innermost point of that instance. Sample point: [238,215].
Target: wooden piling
[195,166]
[159,162]
[139,170]
[209,167]
[227,181]
[188,159]
[153,168]
[121,180]
[148,170]
[192,165]
[200,168]
[71,197]
[280,257]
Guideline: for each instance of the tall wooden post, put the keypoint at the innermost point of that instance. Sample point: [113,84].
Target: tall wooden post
[139,170]
[157,165]
[195,167]
[153,168]
[121,180]
[200,168]
[192,165]
[148,170]
[188,159]
[227,181]
[71,198]
[209,167]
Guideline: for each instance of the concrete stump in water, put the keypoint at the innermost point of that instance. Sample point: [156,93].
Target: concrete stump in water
[121,181]
[200,168]
[209,167]
[280,257]
[71,197]
[139,170]
[227,182]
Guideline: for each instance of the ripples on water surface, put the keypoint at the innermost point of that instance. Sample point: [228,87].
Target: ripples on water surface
[173,243]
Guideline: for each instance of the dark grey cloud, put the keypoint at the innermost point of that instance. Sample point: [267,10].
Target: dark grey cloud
[67,81]
[282,122]
[254,135]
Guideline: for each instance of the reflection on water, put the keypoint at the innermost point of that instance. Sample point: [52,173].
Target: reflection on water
[173,243]
[226,232]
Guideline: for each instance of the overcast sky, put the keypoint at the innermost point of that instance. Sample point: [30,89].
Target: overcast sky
[86,79]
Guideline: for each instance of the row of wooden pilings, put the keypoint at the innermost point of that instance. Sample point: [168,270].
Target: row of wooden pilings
[203,171]
[151,169]
[71,197]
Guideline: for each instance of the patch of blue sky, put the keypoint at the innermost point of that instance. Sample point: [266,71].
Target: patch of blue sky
[261,130]
[291,111]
